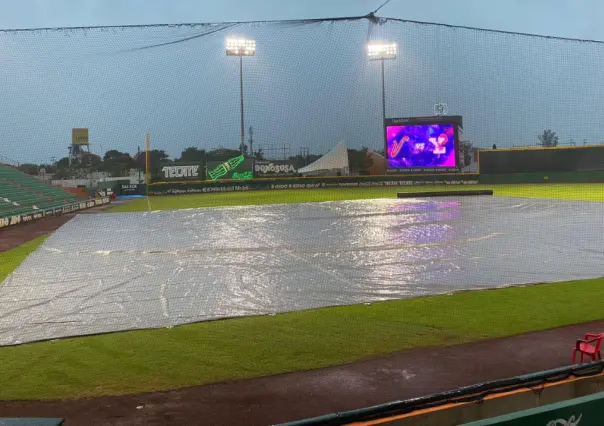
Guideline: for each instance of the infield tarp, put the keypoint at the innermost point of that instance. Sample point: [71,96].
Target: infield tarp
[120,271]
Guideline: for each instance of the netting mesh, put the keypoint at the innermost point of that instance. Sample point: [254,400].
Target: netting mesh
[310,84]
[308,89]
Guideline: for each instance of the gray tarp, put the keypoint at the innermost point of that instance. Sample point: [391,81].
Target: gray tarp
[110,272]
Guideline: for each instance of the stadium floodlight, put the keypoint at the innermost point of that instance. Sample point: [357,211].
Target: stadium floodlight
[377,51]
[241,47]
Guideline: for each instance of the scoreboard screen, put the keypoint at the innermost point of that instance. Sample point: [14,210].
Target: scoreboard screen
[422,145]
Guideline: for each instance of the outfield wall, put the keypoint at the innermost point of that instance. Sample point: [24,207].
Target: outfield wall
[541,160]
[545,177]
[194,187]
[165,188]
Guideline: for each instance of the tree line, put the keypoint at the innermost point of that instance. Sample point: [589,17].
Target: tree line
[116,163]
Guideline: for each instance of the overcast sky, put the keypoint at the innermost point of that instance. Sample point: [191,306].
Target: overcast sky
[308,86]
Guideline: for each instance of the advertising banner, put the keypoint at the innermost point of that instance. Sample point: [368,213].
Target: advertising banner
[236,168]
[51,212]
[184,171]
[583,411]
[132,189]
[102,192]
[274,168]
[209,187]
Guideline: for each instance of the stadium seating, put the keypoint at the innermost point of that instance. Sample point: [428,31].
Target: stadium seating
[20,193]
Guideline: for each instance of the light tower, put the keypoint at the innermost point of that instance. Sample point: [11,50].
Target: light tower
[241,47]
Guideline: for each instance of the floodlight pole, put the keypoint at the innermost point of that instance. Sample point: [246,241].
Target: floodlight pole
[383,93]
[241,147]
[241,48]
[382,51]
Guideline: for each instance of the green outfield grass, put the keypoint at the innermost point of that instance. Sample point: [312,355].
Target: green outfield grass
[587,192]
[9,260]
[150,360]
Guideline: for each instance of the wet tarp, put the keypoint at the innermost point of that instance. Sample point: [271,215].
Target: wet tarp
[120,271]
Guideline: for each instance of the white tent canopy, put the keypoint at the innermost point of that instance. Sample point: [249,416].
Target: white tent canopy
[334,160]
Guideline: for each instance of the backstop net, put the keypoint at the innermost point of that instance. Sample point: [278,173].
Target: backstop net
[309,85]
[239,101]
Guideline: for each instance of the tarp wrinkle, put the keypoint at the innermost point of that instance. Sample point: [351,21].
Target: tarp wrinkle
[177,267]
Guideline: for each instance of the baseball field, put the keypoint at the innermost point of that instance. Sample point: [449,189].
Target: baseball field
[263,345]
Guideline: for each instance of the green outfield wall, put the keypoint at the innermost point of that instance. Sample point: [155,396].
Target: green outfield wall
[198,187]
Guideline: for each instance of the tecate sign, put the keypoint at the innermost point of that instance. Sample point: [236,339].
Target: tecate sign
[180,171]
[267,168]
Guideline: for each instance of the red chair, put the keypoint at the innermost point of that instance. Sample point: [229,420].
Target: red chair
[589,346]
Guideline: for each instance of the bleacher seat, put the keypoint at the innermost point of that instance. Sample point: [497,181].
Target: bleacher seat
[20,193]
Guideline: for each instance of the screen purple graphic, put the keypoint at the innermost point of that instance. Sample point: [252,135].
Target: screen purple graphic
[424,145]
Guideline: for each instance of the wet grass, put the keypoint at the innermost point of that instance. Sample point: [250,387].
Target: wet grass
[150,360]
[585,192]
[10,259]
